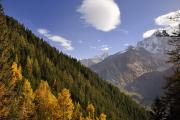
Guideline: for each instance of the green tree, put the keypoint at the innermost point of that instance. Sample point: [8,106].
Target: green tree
[170,102]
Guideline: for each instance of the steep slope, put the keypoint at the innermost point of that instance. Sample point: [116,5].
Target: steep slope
[143,64]
[147,87]
[122,68]
[41,61]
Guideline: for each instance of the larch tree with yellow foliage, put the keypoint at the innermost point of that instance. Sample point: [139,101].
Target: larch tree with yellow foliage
[26,107]
[16,74]
[65,105]
[45,102]
[14,89]
[102,116]
[90,109]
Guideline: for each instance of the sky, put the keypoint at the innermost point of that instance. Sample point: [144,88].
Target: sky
[86,28]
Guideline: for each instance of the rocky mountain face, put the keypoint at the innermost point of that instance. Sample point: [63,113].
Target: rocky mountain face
[91,61]
[145,88]
[121,69]
[140,70]
[157,43]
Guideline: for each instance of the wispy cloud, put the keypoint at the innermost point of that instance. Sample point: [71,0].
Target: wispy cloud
[66,44]
[104,48]
[124,31]
[126,44]
[103,15]
[93,47]
[80,41]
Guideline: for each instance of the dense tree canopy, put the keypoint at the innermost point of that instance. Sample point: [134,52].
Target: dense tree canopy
[23,56]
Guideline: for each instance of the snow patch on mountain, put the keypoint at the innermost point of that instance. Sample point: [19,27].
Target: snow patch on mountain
[156,40]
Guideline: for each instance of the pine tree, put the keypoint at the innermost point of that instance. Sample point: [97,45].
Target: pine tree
[29,66]
[77,112]
[158,109]
[170,102]
[4,109]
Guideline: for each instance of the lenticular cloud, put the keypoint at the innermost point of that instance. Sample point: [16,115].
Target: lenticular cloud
[103,15]
[170,19]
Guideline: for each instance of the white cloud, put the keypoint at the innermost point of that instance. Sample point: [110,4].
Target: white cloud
[169,22]
[170,19]
[98,40]
[126,44]
[42,31]
[149,33]
[104,15]
[104,48]
[66,44]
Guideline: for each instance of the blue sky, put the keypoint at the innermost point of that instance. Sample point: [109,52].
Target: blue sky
[69,31]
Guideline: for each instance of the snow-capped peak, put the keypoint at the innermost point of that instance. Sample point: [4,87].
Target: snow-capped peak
[156,40]
[169,23]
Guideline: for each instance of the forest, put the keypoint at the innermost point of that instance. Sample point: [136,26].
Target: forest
[37,81]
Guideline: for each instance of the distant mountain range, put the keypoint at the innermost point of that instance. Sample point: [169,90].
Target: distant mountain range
[97,59]
[140,71]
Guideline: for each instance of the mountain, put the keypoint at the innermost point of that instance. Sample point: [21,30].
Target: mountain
[140,71]
[148,86]
[128,68]
[122,68]
[157,43]
[91,61]
[25,56]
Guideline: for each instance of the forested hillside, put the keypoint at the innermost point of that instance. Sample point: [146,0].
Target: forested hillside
[27,61]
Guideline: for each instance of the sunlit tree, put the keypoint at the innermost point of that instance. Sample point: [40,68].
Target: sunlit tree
[65,104]
[45,101]
[26,105]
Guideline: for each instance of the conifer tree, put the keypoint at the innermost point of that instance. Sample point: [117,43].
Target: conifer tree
[77,112]
[4,109]
[90,109]
[65,105]
[26,107]
[168,108]
[45,101]
[102,116]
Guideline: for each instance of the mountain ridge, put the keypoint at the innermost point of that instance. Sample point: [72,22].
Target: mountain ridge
[40,61]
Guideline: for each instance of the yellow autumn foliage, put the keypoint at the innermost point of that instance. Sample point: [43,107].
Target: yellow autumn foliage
[16,73]
[45,101]
[65,105]
[26,107]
